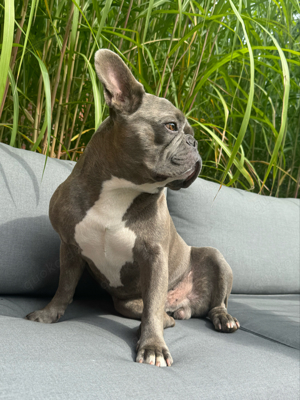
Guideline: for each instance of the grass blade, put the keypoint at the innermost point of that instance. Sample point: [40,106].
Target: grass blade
[41,135]
[246,118]
[8,32]
[105,12]
[47,89]
[227,150]
[34,4]
[285,104]
[16,108]
[147,19]
[96,93]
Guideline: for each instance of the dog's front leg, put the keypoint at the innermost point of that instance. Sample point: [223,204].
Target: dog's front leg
[151,347]
[71,269]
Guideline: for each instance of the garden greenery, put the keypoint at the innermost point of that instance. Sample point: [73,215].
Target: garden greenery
[232,67]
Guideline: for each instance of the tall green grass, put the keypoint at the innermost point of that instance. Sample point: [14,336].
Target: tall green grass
[232,66]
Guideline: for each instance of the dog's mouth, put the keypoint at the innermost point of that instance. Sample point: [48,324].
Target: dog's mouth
[183,177]
[182,181]
[192,176]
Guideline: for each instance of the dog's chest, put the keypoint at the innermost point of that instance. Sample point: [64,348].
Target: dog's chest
[103,236]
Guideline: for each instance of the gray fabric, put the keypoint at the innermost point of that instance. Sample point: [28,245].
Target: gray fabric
[29,247]
[258,235]
[89,355]
[276,317]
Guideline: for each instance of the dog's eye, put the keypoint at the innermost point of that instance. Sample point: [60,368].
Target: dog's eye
[171,126]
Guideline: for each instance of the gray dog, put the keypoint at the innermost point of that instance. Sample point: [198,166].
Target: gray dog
[112,217]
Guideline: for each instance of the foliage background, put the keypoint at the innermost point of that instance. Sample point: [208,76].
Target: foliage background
[232,66]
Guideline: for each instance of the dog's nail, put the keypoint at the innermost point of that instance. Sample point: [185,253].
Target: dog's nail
[168,362]
[140,361]
[219,326]
[158,364]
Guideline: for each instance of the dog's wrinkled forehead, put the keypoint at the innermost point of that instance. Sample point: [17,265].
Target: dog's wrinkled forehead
[160,109]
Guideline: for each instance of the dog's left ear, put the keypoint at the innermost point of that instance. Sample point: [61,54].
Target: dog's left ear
[121,90]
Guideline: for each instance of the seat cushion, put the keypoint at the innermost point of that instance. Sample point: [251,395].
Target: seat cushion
[275,317]
[29,246]
[258,235]
[90,355]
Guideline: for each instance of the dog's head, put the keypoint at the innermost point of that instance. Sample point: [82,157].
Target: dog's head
[154,137]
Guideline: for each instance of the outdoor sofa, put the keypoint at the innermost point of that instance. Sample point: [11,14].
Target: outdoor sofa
[90,352]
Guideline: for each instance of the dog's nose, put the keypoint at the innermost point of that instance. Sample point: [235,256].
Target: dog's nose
[190,140]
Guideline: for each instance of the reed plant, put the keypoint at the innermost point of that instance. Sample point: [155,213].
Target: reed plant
[232,67]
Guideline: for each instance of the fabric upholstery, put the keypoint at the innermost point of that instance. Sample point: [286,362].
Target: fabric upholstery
[29,246]
[258,235]
[275,317]
[90,355]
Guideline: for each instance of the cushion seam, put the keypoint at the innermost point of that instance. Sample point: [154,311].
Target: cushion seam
[268,338]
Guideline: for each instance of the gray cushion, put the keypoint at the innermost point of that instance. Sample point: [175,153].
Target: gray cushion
[258,235]
[29,247]
[89,355]
[275,317]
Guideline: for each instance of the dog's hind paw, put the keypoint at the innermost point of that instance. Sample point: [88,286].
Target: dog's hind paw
[226,323]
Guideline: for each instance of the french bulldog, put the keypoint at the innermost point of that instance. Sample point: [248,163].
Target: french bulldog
[112,217]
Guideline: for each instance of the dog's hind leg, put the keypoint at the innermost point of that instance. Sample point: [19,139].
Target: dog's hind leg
[71,269]
[134,309]
[212,283]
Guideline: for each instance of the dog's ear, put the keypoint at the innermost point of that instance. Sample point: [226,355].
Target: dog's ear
[121,90]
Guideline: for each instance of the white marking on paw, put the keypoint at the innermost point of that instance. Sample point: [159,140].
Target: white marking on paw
[161,361]
[151,359]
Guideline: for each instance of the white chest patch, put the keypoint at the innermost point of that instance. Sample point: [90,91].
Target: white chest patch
[102,234]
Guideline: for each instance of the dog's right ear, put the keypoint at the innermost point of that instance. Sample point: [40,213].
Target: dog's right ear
[121,90]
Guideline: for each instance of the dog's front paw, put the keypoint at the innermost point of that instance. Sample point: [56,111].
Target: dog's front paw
[158,355]
[47,316]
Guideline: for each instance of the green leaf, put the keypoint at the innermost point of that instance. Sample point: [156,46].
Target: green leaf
[226,149]
[16,108]
[8,32]
[147,19]
[105,12]
[41,135]
[72,39]
[246,118]
[33,4]
[286,91]
[96,93]
[47,89]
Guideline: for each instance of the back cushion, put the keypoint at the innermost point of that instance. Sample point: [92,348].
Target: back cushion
[258,235]
[29,246]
